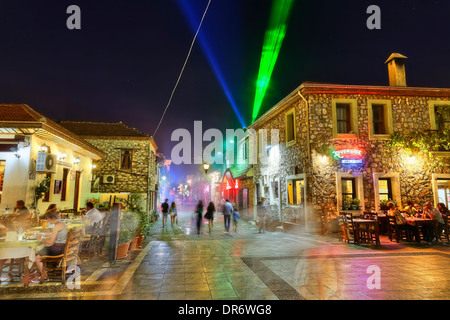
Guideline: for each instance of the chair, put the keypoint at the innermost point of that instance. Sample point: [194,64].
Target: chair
[397,231]
[88,243]
[350,227]
[445,232]
[52,264]
[98,238]
[342,228]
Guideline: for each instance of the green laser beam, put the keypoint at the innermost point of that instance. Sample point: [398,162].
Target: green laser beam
[273,42]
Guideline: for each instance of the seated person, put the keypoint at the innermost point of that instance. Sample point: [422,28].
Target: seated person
[21,214]
[410,209]
[443,209]
[432,213]
[401,221]
[55,244]
[51,208]
[91,216]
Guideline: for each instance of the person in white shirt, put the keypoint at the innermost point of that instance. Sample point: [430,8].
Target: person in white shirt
[92,215]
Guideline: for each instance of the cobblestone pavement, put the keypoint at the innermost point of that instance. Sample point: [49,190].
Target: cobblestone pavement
[178,264]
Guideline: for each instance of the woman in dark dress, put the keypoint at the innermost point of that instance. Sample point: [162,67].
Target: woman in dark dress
[199,211]
[210,215]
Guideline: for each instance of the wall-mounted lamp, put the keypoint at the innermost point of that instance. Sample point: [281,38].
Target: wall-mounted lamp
[62,156]
[76,160]
[45,148]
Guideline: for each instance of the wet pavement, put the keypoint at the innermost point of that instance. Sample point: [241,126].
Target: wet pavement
[179,264]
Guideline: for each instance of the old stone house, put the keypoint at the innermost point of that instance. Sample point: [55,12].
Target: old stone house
[130,164]
[365,144]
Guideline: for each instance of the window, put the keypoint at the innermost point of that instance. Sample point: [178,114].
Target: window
[444,191]
[64,184]
[348,189]
[126,159]
[380,119]
[439,114]
[442,117]
[245,149]
[345,118]
[385,189]
[290,127]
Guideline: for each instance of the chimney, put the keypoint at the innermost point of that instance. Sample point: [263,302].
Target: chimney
[396,67]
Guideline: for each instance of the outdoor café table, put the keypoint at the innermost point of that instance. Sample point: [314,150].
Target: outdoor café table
[25,249]
[70,224]
[418,222]
[368,223]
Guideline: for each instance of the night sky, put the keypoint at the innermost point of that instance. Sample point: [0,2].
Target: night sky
[123,64]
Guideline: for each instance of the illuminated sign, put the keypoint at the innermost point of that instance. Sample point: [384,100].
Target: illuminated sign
[352,161]
[349,156]
[346,153]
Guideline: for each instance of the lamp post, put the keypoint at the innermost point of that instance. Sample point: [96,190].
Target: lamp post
[206,167]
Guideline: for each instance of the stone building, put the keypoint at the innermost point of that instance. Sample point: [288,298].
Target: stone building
[130,164]
[366,144]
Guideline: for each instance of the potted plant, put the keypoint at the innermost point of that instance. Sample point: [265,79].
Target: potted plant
[130,222]
[355,204]
[144,223]
[383,204]
[347,203]
[124,244]
[138,219]
[40,190]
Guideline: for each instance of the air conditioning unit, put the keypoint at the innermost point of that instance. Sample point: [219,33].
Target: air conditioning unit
[109,179]
[46,162]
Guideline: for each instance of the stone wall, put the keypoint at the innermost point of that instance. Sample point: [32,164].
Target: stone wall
[137,179]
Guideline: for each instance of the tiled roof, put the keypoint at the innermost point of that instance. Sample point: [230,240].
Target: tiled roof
[102,129]
[17,115]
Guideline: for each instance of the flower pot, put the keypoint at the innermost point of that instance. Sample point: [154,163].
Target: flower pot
[133,244]
[122,250]
[354,207]
[139,241]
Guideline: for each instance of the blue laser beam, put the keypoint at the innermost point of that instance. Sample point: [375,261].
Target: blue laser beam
[193,20]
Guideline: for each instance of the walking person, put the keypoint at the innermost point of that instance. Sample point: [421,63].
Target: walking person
[209,215]
[235,219]
[262,213]
[165,212]
[173,213]
[227,212]
[199,212]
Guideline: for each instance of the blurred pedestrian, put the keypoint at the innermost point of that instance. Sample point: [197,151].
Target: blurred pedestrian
[199,212]
[209,215]
[173,213]
[227,212]
[262,214]
[235,219]
[165,211]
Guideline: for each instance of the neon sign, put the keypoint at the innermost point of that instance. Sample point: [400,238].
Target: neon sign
[349,156]
[346,153]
